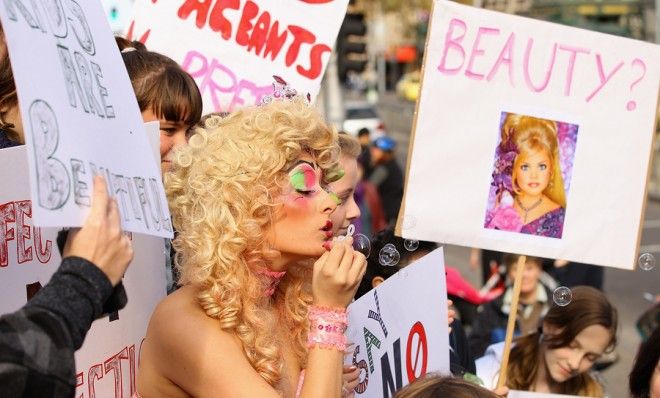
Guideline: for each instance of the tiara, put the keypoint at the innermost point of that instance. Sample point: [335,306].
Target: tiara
[282,92]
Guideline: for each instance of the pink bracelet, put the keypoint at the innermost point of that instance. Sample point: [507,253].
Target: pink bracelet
[327,327]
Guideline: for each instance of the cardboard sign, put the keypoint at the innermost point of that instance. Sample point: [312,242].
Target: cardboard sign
[107,362]
[399,329]
[80,116]
[543,131]
[233,48]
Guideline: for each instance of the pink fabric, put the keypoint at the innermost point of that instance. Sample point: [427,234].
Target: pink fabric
[271,279]
[327,327]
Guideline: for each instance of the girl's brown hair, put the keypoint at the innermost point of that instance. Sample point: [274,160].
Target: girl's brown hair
[8,97]
[588,307]
[432,386]
[161,85]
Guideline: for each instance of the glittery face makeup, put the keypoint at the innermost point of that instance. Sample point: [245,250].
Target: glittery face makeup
[301,224]
[303,178]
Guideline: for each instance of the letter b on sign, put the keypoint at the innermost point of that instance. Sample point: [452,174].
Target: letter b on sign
[53,179]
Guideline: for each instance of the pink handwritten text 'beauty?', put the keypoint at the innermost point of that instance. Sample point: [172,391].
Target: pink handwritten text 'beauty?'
[493,52]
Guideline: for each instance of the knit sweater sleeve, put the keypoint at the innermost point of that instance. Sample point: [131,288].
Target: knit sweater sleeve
[38,342]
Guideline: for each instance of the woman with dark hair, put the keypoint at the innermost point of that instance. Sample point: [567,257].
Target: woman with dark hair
[645,375]
[11,127]
[165,93]
[557,358]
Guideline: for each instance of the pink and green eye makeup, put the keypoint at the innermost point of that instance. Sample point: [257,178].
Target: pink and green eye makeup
[335,198]
[303,177]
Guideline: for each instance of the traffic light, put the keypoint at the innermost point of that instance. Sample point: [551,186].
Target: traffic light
[351,45]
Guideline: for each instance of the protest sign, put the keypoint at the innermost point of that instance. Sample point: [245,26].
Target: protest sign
[399,329]
[107,362]
[233,48]
[80,116]
[544,132]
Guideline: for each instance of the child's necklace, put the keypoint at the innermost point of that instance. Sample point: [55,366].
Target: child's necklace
[530,208]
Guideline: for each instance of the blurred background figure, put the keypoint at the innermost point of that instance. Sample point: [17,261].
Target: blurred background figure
[644,379]
[535,299]
[387,176]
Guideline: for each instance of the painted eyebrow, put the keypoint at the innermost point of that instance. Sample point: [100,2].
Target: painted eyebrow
[312,165]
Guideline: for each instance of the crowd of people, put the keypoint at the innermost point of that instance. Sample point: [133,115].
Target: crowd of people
[263,267]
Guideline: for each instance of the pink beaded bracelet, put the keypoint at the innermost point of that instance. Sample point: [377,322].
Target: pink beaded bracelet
[326,328]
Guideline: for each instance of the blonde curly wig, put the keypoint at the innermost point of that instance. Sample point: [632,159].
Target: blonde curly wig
[221,192]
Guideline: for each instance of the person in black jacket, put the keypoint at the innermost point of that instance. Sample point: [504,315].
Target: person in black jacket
[387,176]
[37,342]
[535,299]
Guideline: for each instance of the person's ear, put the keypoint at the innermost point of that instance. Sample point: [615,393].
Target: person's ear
[377,280]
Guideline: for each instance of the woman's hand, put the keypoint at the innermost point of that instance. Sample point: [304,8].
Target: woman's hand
[337,274]
[502,391]
[100,240]
[350,378]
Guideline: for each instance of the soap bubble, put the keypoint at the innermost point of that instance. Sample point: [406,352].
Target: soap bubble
[362,244]
[411,245]
[389,256]
[562,296]
[646,261]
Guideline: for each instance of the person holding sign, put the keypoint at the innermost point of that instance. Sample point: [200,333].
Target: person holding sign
[251,207]
[38,341]
[530,195]
[558,357]
[535,297]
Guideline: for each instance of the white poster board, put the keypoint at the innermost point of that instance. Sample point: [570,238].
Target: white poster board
[107,362]
[232,49]
[598,92]
[399,329]
[80,116]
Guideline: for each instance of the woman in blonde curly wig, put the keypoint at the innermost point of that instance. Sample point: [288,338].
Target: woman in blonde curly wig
[251,204]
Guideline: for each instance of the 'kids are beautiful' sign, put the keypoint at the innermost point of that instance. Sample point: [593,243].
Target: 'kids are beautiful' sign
[80,116]
[233,48]
[543,131]
[399,329]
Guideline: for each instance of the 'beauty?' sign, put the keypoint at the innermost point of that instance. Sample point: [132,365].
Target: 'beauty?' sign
[531,138]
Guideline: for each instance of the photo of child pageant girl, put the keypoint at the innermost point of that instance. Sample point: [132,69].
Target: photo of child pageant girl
[531,175]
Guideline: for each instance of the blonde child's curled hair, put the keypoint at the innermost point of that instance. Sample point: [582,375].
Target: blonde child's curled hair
[222,192]
[530,135]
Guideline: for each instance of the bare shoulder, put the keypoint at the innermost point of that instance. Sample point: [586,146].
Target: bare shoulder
[190,349]
[179,322]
